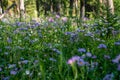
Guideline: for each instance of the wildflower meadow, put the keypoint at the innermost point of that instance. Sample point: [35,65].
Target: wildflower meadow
[56,48]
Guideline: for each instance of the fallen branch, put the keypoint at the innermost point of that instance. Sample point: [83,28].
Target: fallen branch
[7,10]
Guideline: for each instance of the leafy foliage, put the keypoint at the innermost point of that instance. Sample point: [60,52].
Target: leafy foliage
[107,25]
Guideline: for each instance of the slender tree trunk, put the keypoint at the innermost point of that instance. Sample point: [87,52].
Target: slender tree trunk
[71,7]
[58,6]
[22,8]
[82,9]
[1,6]
[46,8]
[38,7]
[110,6]
[51,6]
[76,8]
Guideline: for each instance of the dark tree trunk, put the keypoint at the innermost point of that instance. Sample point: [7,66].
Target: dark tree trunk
[71,7]
[46,8]
[55,6]
[58,6]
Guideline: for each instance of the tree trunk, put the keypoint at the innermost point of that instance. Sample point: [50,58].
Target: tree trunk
[38,7]
[82,9]
[1,7]
[76,7]
[71,7]
[110,6]
[22,9]
[58,6]
[51,6]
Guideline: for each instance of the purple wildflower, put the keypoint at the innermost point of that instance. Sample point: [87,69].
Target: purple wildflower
[102,46]
[68,33]
[51,19]
[57,51]
[106,56]
[57,16]
[32,26]
[0,69]
[36,61]
[117,59]
[18,23]
[89,34]
[87,63]
[37,24]
[9,40]
[73,59]
[86,19]
[81,62]
[16,69]
[13,72]
[70,61]
[6,78]
[74,37]
[25,61]
[118,68]
[94,56]
[22,29]
[78,30]
[117,43]
[88,54]
[64,19]
[94,64]
[108,77]
[81,50]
